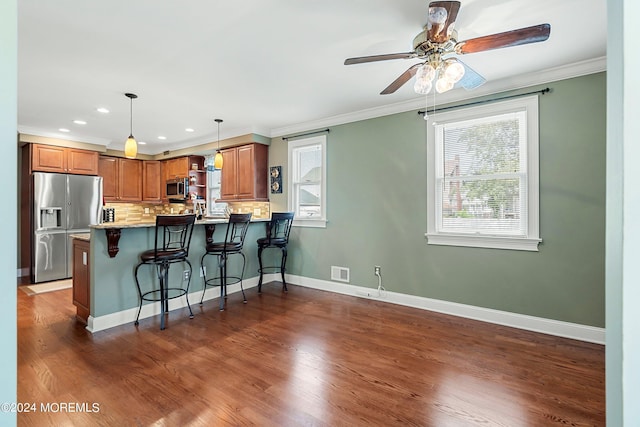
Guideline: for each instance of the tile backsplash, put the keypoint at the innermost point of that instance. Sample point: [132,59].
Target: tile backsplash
[146,212]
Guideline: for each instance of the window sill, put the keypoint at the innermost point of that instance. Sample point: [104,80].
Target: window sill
[315,223]
[490,242]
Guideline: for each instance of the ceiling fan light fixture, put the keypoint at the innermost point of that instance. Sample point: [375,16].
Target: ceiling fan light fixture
[444,84]
[424,79]
[453,70]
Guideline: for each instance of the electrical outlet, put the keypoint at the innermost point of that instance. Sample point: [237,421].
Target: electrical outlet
[186,274]
[203,271]
[376,270]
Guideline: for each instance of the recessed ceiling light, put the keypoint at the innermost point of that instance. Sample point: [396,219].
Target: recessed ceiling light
[188,130]
[64,130]
[80,122]
[102,110]
[142,143]
[162,137]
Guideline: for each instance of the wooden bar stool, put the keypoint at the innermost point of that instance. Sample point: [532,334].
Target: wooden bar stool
[172,239]
[278,230]
[232,245]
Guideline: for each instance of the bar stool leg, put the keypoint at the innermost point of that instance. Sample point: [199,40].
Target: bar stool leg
[244,261]
[260,269]
[204,277]
[223,280]
[283,264]
[162,276]
[137,322]
[186,295]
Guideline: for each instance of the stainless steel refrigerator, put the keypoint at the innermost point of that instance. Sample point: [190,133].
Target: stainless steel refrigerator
[62,205]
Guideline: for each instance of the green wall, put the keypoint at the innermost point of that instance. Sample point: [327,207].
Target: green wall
[8,215]
[377,213]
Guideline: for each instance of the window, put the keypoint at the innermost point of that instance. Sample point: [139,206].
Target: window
[482,177]
[308,183]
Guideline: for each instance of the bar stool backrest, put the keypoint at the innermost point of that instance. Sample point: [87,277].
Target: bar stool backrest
[279,228]
[173,233]
[237,230]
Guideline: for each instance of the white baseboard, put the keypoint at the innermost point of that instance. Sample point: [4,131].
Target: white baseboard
[100,323]
[521,321]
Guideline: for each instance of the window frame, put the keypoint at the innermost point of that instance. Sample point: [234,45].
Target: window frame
[292,147]
[529,242]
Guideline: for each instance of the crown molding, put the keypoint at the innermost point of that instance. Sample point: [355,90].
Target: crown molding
[26,130]
[564,72]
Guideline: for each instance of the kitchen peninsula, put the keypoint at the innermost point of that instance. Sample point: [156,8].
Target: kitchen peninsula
[112,288]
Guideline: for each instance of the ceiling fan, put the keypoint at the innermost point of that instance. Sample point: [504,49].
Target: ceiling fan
[437,46]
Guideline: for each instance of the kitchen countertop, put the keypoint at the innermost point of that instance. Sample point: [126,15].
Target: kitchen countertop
[81,236]
[142,224]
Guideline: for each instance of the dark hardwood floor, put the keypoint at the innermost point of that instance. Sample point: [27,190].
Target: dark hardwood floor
[303,358]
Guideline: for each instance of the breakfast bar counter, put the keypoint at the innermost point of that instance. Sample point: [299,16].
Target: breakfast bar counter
[113,293]
[113,230]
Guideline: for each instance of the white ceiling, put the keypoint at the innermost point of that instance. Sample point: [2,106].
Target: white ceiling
[263,66]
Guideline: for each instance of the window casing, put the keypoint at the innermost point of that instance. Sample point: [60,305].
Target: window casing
[482,177]
[307,193]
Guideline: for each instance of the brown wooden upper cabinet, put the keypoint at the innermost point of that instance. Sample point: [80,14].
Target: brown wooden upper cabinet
[121,179]
[177,168]
[152,183]
[244,172]
[51,158]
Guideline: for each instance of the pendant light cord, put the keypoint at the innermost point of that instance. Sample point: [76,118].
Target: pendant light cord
[131,116]
[218,121]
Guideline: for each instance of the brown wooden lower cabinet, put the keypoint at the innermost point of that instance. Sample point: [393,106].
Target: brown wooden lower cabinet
[81,292]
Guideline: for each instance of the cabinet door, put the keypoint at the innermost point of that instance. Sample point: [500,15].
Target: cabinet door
[228,180]
[245,172]
[48,158]
[82,162]
[130,180]
[178,168]
[108,170]
[81,279]
[151,181]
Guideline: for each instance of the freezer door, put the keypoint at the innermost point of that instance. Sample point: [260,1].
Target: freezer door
[49,201]
[84,201]
[49,256]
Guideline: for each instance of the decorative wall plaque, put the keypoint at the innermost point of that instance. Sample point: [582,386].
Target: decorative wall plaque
[275,172]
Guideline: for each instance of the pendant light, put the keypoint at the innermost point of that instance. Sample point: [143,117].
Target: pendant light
[131,146]
[217,161]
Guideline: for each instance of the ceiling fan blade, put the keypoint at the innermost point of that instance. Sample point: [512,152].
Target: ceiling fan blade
[401,80]
[471,78]
[442,16]
[374,58]
[534,34]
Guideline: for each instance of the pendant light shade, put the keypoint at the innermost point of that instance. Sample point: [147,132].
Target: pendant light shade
[131,146]
[217,161]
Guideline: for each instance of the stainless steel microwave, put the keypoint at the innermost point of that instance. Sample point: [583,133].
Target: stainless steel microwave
[178,188]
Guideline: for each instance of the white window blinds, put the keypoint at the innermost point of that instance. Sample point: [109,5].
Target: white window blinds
[481,176]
